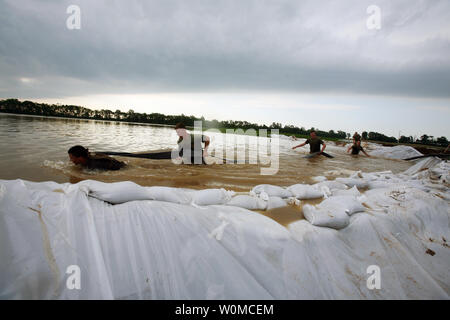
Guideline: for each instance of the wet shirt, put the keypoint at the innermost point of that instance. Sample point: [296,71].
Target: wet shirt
[357,137]
[104,163]
[314,144]
[356,149]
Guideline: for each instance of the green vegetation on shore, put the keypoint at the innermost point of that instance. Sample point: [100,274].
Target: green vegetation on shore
[71,111]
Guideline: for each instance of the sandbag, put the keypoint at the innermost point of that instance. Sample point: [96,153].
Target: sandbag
[115,193]
[169,194]
[331,184]
[247,202]
[351,182]
[276,202]
[125,191]
[326,217]
[211,196]
[305,191]
[333,212]
[349,192]
[273,191]
[350,204]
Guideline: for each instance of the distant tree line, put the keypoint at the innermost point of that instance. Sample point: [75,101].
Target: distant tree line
[72,111]
[425,139]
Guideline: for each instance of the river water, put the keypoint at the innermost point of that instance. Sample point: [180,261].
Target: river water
[35,148]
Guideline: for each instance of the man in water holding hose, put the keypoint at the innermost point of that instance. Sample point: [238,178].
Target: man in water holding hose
[190,145]
[314,145]
[80,155]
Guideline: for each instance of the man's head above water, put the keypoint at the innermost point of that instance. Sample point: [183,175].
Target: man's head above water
[313,134]
[78,154]
[180,128]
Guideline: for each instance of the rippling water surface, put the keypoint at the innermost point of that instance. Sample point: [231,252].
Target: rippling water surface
[35,148]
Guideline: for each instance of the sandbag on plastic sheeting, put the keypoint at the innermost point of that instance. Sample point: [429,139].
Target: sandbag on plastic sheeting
[276,202]
[121,192]
[349,203]
[349,192]
[331,184]
[333,212]
[117,192]
[168,194]
[247,202]
[324,217]
[351,182]
[378,184]
[305,191]
[211,196]
[273,191]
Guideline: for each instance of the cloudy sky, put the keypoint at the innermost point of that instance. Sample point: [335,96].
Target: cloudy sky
[306,63]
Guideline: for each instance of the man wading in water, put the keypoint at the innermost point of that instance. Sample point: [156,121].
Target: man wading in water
[190,145]
[356,148]
[80,155]
[314,145]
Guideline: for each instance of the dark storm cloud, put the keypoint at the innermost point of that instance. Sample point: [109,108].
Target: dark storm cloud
[200,46]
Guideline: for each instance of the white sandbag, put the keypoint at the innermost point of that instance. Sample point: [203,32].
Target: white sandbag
[117,192]
[351,182]
[349,192]
[276,202]
[168,194]
[350,204]
[336,219]
[305,191]
[273,191]
[331,184]
[211,196]
[333,212]
[378,184]
[247,202]
[319,178]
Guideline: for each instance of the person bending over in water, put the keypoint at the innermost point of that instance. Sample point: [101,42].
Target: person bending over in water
[192,142]
[314,144]
[356,148]
[80,155]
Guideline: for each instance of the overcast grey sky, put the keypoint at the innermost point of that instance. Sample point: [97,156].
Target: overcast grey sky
[307,63]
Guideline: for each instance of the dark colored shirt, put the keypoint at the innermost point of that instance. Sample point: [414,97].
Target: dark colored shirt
[356,149]
[314,144]
[104,163]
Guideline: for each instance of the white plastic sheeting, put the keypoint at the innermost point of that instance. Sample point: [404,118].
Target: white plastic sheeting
[164,250]
[396,152]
